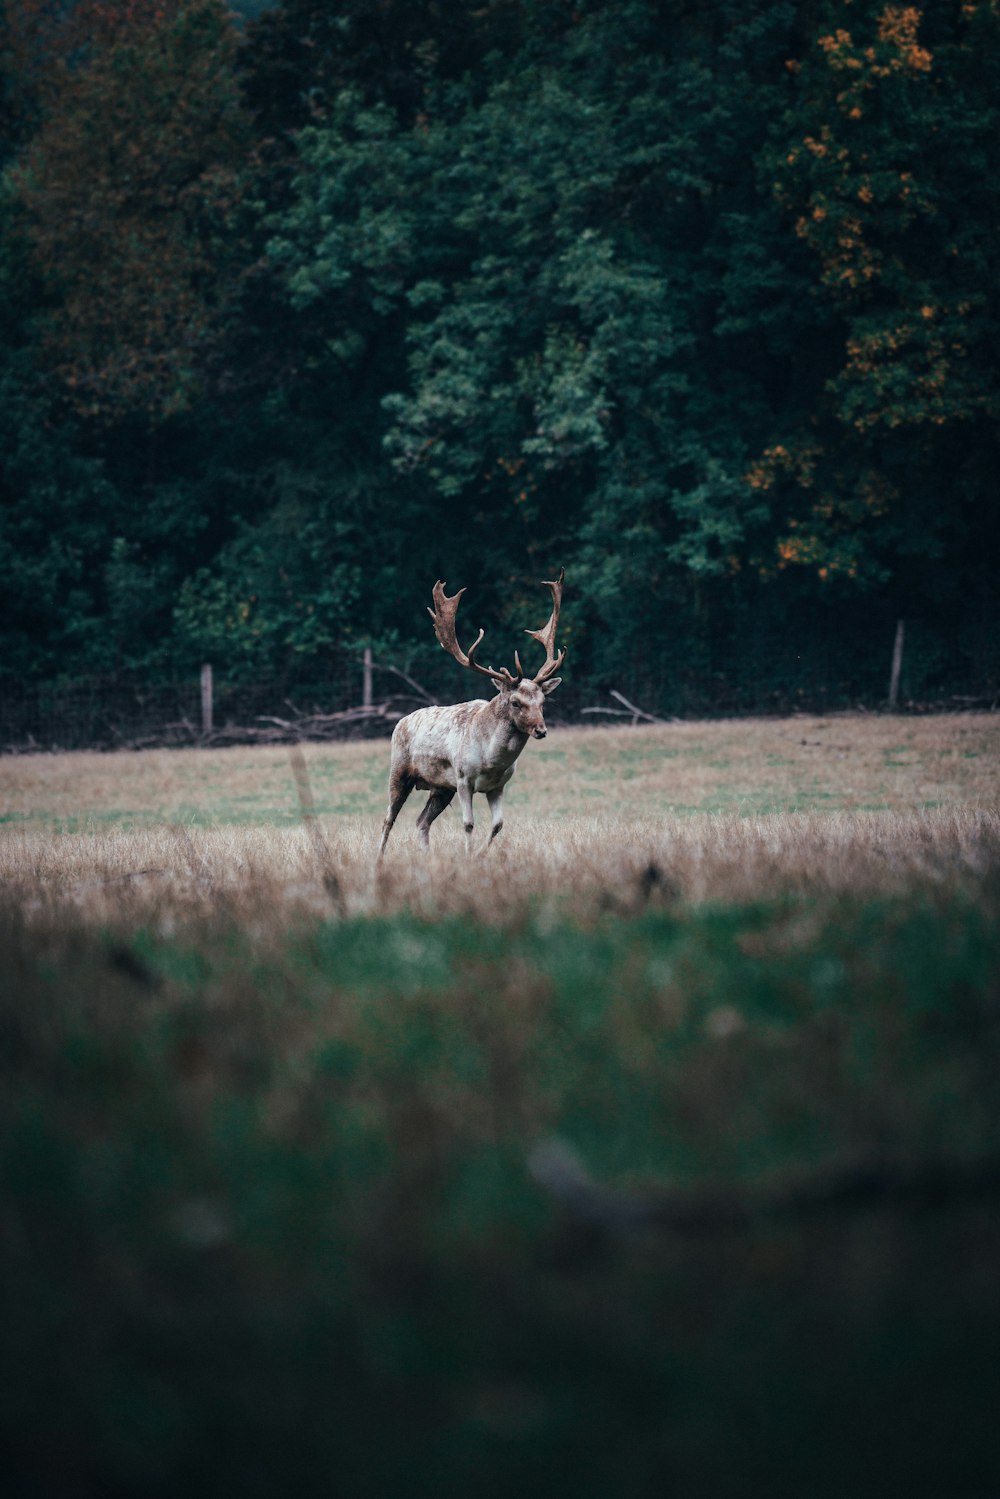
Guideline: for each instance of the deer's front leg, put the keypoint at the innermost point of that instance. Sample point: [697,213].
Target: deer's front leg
[465,802]
[495,799]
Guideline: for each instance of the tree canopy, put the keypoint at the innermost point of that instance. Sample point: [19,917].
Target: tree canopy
[697,300]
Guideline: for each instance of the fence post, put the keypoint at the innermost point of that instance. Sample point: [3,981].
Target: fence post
[206,698]
[897,665]
[366,681]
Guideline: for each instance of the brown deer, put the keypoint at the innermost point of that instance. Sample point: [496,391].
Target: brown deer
[471,747]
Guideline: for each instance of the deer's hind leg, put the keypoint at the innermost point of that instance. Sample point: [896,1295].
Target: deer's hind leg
[440,797]
[400,786]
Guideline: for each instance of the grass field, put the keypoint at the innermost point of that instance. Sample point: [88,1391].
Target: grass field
[855,764]
[658,1151]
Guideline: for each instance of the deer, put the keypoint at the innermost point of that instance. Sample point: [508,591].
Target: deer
[472,747]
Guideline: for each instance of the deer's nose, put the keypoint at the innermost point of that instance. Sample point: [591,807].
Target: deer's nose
[540,733]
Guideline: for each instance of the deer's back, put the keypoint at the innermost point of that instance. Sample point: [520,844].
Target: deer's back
[441,745]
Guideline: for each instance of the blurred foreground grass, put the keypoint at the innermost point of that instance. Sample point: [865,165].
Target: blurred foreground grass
[383,1205]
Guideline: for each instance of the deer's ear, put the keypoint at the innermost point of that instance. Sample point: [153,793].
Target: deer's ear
[550,685]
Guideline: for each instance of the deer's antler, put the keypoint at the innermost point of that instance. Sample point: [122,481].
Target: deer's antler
[443,616]
[547,635]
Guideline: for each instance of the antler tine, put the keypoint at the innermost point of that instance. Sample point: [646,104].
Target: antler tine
[443,615]
[444,628]
[546,636]
[501,676]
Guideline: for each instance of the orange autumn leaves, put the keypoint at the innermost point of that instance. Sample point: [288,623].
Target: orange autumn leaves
[865,184]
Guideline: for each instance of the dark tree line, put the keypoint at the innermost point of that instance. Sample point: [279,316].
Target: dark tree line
[301,313]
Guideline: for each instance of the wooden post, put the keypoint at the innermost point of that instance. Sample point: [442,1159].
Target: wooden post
[897,665]
[366,681]
[206,698]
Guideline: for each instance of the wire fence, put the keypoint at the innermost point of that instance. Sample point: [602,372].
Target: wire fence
[753,670]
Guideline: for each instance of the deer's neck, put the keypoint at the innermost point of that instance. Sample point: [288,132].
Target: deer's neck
[505,736]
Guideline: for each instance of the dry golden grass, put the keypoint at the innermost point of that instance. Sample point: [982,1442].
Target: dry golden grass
[584,863]
[728,811]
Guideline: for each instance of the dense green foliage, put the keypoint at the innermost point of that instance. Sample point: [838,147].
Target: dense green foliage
[699,301]
[271,1218]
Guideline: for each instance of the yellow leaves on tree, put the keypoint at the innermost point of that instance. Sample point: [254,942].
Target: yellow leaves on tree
[823,530]
[915,366]
[897,27]
[896,49]
[796,460]
[839,200]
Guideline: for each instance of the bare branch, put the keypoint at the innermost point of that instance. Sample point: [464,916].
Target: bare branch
[410,682]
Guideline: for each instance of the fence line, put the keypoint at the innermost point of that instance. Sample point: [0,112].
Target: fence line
[356,696]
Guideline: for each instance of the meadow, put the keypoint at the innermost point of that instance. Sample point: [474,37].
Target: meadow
[659,1150]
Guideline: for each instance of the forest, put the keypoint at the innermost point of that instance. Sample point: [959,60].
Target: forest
[305,306]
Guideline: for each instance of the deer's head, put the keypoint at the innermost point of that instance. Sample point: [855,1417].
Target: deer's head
[521,698]
[524,704]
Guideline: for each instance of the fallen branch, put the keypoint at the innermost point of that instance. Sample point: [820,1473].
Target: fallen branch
[630,710]
[317,721]
[271,729]
[856,1187]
